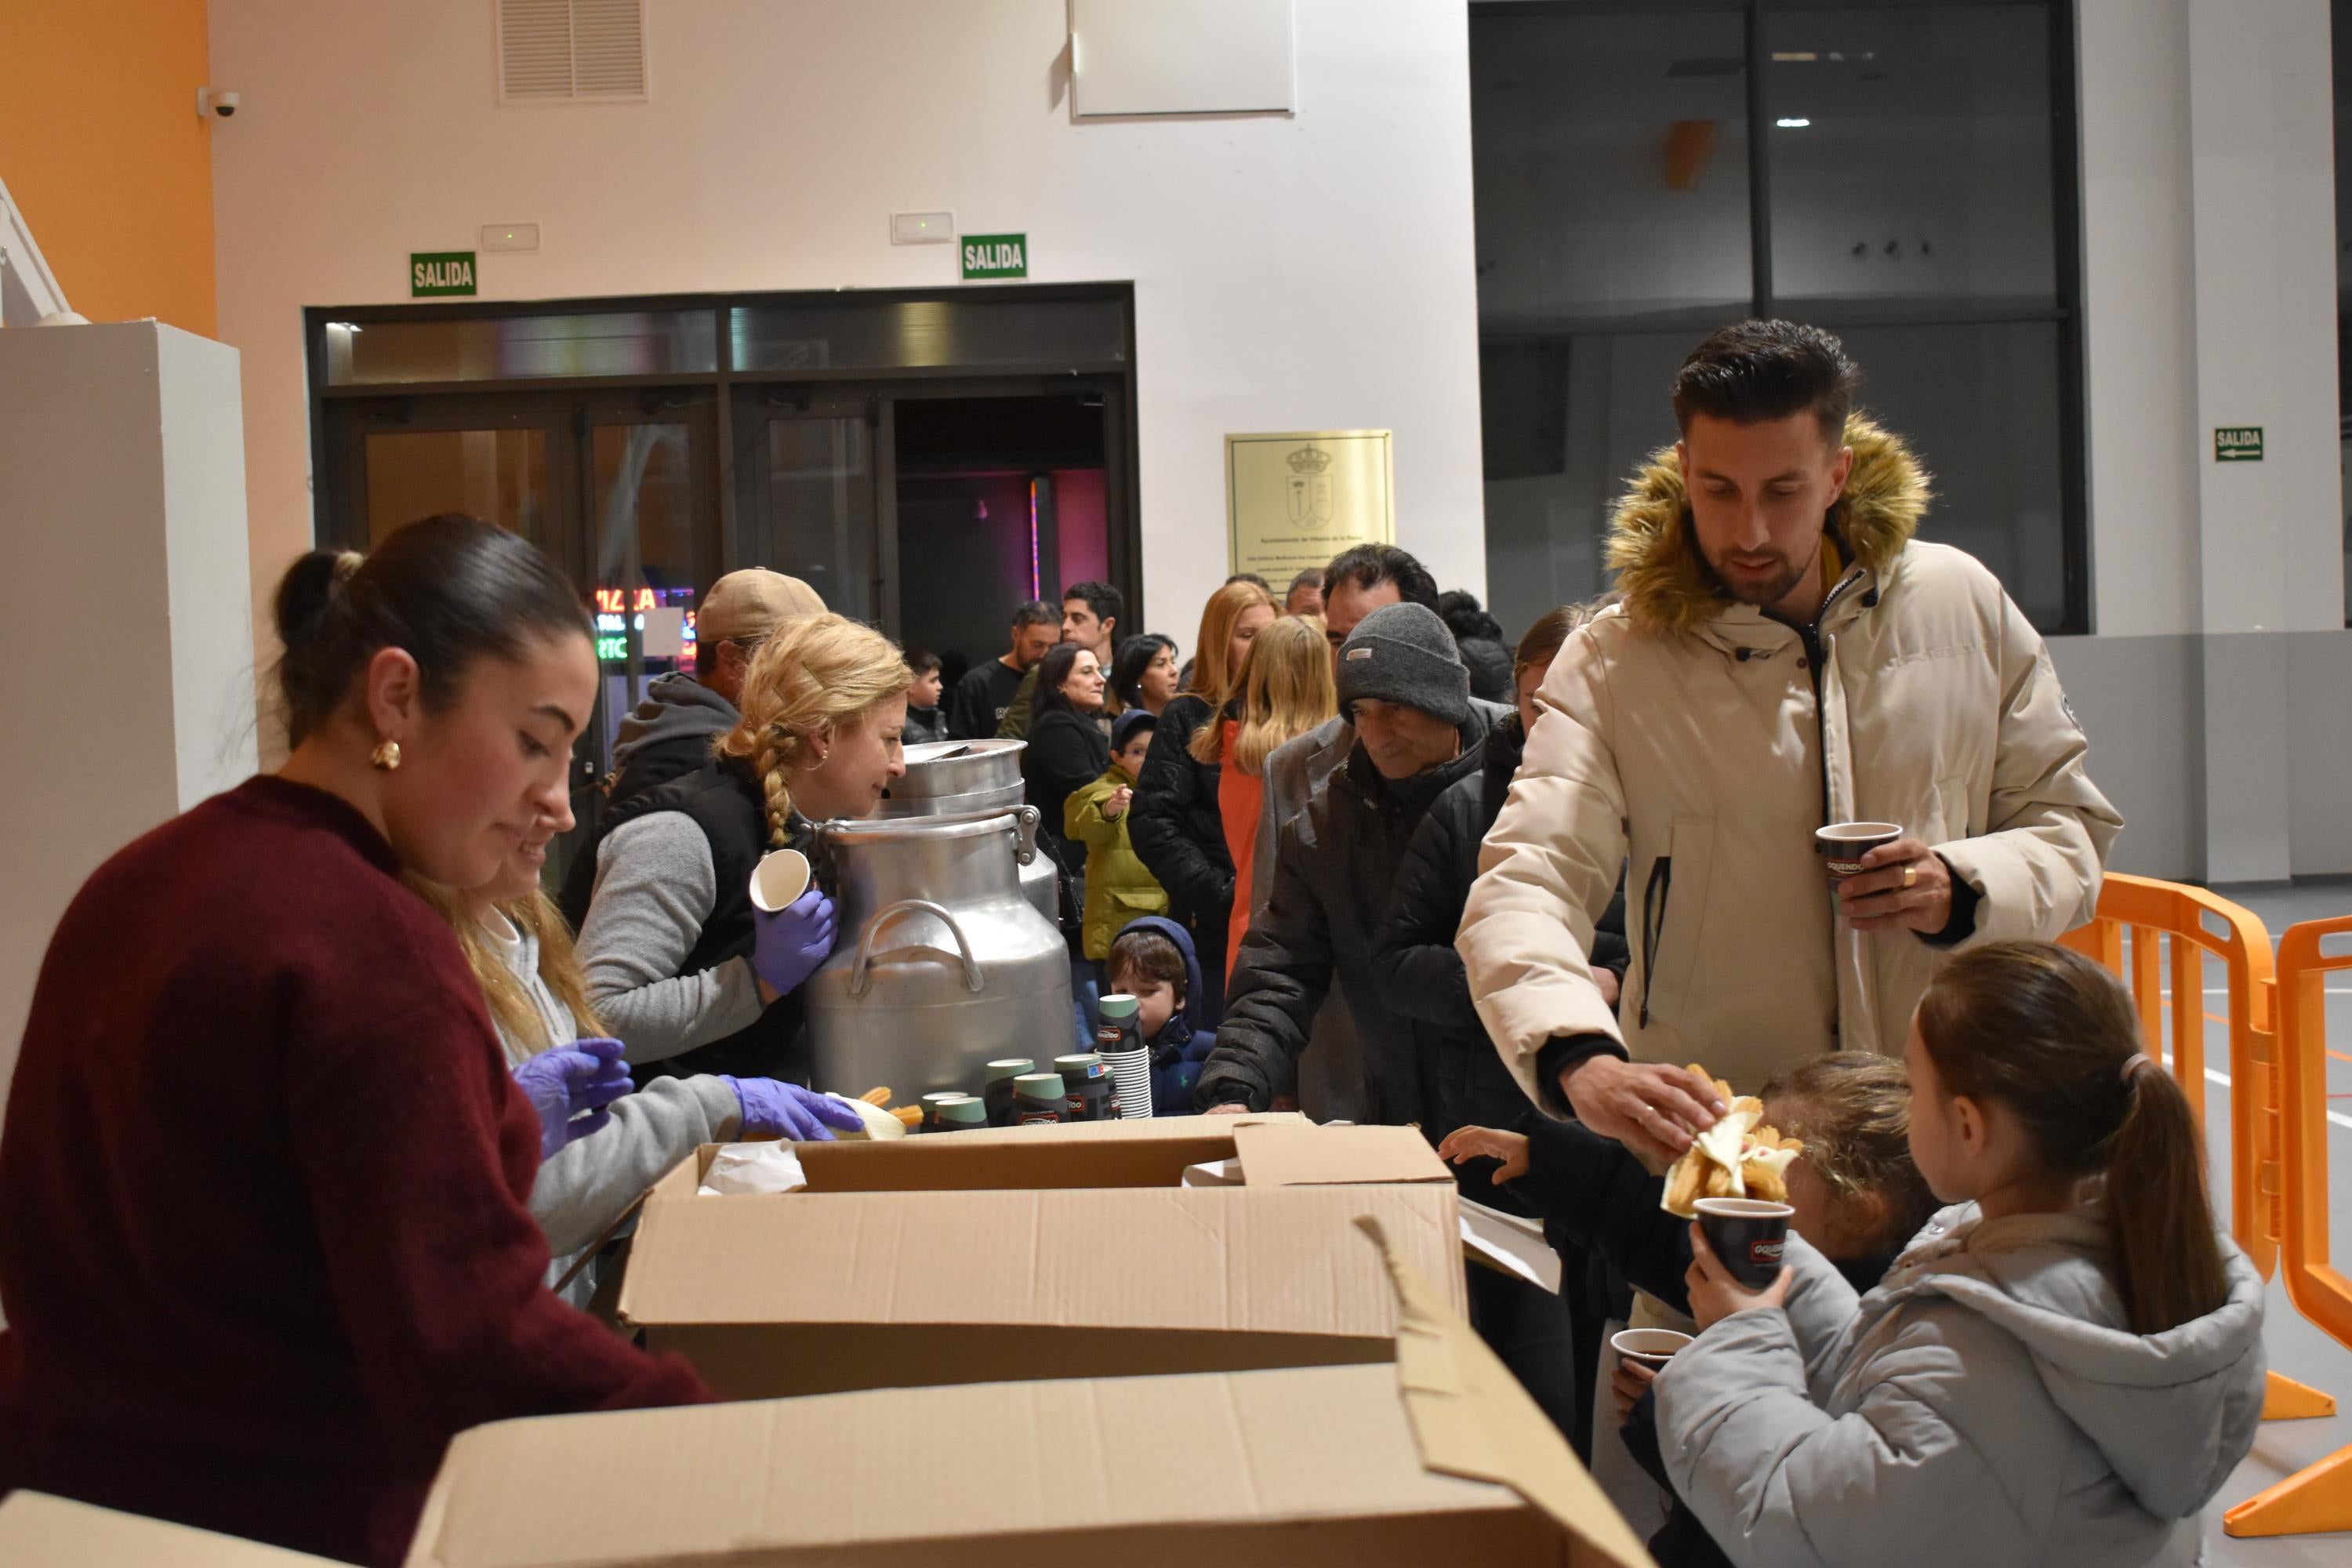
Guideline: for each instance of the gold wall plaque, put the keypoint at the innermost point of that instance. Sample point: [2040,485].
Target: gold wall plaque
[1295,500]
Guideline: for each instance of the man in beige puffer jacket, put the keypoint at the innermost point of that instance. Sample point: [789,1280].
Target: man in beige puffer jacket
[1783,655]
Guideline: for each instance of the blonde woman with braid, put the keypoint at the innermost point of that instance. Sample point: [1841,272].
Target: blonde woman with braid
[683,971]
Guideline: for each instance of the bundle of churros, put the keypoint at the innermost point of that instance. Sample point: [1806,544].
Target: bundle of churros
[1738,1157]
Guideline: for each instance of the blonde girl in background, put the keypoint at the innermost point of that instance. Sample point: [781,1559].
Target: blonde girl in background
[1284,690]
[1176,827]
[683,968]
[521,951]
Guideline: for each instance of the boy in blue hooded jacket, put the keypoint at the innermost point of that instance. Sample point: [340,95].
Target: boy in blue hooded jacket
[1152,961]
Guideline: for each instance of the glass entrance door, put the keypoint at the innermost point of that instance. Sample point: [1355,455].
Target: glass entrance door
[807,500]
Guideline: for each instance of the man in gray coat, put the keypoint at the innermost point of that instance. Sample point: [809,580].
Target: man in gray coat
[1356,582]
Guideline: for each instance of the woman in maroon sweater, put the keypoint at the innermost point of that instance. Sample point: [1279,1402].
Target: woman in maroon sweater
[264,1247]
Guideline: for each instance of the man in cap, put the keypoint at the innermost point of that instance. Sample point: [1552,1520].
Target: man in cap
[669,734]
[1404,688]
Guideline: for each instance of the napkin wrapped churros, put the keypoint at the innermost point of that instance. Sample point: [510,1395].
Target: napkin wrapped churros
[1738,1157]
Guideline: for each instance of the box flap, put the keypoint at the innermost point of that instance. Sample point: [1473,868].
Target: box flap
[57,1532]
[1472,1419]
[1006,1469]
[1233,1259]
[1301,1154]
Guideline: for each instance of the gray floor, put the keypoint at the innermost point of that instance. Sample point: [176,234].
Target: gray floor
[2296,1347]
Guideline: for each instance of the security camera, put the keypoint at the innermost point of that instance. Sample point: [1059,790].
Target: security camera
[210,100]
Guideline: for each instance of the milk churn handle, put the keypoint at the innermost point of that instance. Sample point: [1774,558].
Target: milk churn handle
[861,974]
[1025,826]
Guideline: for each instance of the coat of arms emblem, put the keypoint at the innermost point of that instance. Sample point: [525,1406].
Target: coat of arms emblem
[1311,488]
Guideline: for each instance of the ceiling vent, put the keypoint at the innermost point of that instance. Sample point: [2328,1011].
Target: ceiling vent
[571,51]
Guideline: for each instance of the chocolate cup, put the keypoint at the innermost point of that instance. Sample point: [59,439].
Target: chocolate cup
[1652,1347]
[1842,845]
[1747,1236]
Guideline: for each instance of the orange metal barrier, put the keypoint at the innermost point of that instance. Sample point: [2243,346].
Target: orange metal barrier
[2149,910]
[2320,1497]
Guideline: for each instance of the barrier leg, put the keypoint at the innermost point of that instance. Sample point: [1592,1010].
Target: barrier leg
[2287,1400]
[2310,1501]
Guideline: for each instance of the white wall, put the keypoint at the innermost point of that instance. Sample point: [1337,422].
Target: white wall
[2209,271]
[1291,273]
[131,651]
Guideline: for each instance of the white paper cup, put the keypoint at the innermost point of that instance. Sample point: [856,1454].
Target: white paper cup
[1652,1347]
[780,880]
[1842,845]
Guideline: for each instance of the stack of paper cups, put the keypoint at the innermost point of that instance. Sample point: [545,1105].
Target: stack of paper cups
[1118,1040]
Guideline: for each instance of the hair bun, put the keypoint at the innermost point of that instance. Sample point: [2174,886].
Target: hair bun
[308,591]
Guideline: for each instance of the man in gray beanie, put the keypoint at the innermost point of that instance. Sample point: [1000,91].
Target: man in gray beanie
[1404,686]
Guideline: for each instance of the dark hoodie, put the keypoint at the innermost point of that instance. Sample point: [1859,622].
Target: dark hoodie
[1182,1045]
[667,736]
[1414,955]
[1331,880]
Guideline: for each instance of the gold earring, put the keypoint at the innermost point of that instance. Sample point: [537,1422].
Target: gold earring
[385,757]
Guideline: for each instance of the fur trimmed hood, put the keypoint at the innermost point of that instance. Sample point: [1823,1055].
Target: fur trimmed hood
[1665,586]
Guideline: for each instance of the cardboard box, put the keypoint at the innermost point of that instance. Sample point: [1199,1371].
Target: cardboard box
[1030,1253]
[56,1533]
[1437,1458]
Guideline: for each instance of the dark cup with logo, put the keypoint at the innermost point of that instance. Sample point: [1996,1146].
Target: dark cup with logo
[1841,845]
[1748,1235]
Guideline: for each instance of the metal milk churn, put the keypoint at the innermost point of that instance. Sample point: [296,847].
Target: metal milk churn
[942,964]
[952,777]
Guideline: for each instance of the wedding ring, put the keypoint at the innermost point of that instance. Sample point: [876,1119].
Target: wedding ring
[1910,875]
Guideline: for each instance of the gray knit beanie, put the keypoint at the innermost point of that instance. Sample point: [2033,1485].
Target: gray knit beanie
[1403,654]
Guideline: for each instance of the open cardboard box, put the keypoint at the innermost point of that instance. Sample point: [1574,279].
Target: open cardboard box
[57,1532]
[1438,1458]
[1034,1253]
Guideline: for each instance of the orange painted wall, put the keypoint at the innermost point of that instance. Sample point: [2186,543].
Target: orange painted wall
[101,146]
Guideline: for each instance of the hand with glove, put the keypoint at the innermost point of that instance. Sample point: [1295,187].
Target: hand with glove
[788,944]
[788,1110]
[571,1088]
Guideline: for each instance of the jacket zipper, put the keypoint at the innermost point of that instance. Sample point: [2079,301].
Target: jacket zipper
[1815,646]
[1653,926]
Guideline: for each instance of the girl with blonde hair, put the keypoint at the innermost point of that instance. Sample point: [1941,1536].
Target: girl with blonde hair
[1174,823]
[1285,690]
[689,975]
[521,951]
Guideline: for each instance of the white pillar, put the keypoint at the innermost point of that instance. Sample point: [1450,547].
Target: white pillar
[129,637]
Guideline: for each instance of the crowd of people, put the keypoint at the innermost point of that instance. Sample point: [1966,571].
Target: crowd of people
[324,1111]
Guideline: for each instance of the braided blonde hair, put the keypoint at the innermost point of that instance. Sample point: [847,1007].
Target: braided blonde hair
[816,676]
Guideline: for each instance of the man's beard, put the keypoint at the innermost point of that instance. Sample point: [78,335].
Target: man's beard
[1777,587]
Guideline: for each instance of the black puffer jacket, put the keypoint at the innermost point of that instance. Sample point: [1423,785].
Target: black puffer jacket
[1335,864]
[1413,954]
[1180,833]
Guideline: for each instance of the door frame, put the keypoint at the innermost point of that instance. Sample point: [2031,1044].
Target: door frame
[337,506]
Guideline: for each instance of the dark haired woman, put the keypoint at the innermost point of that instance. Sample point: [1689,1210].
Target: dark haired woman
[1067,749]
[2063,1367]
[1144,674]
[263,1243]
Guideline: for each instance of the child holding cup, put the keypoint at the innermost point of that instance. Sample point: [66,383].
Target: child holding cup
[1855,1191]
[2063,1367]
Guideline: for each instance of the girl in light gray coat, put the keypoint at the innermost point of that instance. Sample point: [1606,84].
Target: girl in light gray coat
[2064,1366]
[521,951]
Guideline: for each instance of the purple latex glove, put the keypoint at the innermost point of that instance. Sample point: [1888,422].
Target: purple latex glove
[788,1110]
[571,1088]
[788,945]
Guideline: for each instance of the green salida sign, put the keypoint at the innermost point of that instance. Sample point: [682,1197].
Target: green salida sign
[995,255]
[438,274]
[2238,444]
